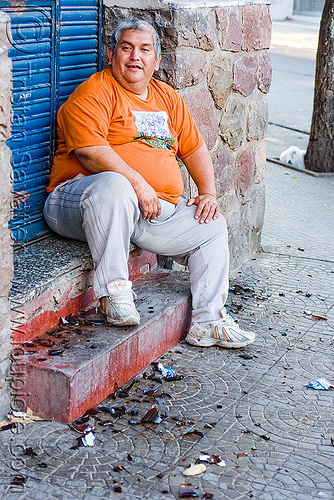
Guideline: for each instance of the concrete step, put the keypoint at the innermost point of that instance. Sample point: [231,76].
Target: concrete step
[53,278]
[96,357]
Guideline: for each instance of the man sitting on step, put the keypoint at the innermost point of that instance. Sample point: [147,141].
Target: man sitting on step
[116,179]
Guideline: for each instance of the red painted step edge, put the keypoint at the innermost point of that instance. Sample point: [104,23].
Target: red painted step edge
[76,293]
[63,392]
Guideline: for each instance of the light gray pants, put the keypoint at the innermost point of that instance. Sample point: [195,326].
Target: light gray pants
[103,210]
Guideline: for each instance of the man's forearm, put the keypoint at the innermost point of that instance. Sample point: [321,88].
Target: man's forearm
[103,159]
[199,165]
[98,159]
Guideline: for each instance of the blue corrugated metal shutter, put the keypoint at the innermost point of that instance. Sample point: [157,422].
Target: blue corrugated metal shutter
[56,46]
[78,47]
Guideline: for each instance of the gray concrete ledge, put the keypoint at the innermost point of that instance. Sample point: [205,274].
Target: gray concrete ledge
[38,264]
[181,4]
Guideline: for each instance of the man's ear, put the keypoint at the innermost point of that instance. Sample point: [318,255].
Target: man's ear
[109,55]
[157,63]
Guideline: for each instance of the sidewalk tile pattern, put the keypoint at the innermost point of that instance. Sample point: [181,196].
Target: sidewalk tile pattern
[273,432]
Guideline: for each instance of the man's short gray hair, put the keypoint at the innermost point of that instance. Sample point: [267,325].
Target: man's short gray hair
[133,23]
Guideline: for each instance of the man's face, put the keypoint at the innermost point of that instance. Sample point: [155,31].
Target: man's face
[133,61]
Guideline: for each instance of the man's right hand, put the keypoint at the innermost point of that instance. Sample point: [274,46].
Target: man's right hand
[147,199]
[103,158]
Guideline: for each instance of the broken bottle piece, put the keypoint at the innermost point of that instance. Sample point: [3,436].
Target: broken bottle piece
[87,439]
[82,428]
[29,452]
[117,487]
[187,491]
[55,352]
[42,465]
[212,459]
[18,480]
[239,290]
[246,355]
[6,427]
[315,317]
[151,417]
[116,411]
[193,433]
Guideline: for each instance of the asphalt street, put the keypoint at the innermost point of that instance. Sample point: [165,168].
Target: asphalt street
[290,100]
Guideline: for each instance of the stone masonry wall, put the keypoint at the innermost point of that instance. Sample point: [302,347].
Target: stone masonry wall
[6,252]
[217,58]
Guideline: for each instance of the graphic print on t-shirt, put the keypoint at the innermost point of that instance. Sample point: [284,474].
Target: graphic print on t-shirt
[153,128]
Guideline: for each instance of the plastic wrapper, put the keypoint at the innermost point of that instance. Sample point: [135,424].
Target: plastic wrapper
[293,156]
[321,384]
[166,372]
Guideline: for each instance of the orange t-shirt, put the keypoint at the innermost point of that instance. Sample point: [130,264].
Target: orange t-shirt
[147,135]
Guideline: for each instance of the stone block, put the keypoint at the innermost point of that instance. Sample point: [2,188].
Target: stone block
[164,22]
[245,165]
[6,275]
[224,166]
[229,28]
[257,119]
[195,28]
[4,324]
[167,70]
[5,184]
[232,210]
[260,162]
[257,205]
[186,180]
[6,252]
[256,27]
[4,355]
[183,68]
[200,104]
[6,70]
[5,97]
[5,32]
[4,372]
[252,216]
[4,402]
[245,74]
[265,72]
[176,27]
[232,125]
[220,77]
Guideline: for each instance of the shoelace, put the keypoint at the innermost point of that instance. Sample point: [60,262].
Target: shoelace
[123,297]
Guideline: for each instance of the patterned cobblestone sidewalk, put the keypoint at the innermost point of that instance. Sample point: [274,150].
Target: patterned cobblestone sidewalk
[273,432]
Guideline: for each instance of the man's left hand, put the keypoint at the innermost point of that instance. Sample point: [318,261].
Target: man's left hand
[207,207]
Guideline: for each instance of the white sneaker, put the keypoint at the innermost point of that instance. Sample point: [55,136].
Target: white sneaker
[224,333]
[118,306]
